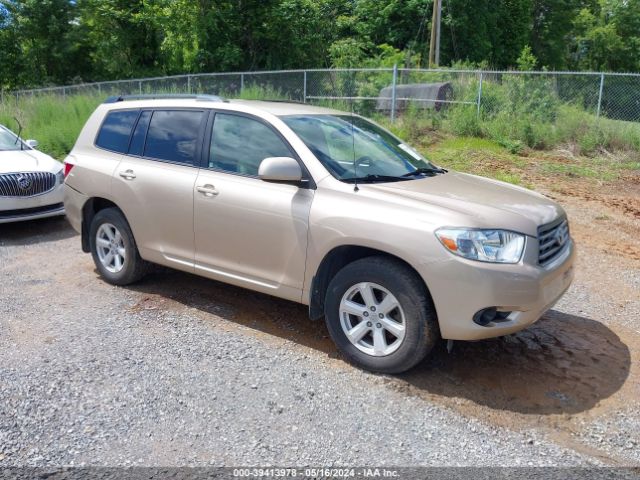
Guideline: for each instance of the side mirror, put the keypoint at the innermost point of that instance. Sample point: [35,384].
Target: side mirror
[32,143]
[280,170]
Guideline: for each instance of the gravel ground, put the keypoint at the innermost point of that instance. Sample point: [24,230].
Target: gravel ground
[184,371]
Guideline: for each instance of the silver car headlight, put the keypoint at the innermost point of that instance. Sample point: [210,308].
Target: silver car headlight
[497,246]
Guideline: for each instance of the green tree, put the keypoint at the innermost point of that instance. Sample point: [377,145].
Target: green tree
[123,41]
[607,38]
[38,42]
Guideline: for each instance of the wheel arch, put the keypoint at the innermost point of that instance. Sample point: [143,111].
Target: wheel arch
[89,210]
[334,261]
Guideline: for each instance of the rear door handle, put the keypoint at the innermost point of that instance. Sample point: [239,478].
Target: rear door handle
[128,174]
[207,190]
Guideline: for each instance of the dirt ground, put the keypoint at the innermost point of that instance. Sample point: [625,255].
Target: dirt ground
[574,375]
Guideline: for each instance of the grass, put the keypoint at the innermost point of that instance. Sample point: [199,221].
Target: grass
[53,121]
[578,170]
[500,146]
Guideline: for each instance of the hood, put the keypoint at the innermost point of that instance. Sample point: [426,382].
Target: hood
[27,161]
[488,203]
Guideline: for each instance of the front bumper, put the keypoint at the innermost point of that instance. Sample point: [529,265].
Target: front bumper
[17,209]
[461,287]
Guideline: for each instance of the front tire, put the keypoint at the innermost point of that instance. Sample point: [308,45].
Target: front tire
[380,315]
[114,249]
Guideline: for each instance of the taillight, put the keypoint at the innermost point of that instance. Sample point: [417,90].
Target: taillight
[67,168]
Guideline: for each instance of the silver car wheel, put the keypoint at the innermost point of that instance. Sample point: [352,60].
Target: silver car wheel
[372,319]
[110,248]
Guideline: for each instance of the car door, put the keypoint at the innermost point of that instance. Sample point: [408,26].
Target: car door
[154,183]
[249,232]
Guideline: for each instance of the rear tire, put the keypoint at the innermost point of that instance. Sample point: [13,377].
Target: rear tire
[114,249]
[380,315]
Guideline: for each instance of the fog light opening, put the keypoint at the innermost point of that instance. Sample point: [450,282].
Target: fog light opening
[487,315]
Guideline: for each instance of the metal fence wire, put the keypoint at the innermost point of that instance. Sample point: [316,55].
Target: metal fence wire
[396,91]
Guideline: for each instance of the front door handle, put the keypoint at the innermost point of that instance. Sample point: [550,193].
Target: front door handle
[128,174]
[207,190]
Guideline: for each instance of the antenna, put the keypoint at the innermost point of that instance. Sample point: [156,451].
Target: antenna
[353,147]
[19,133]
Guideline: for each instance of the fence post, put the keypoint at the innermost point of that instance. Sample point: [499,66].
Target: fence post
[188,83]
[241,83]
[393,92]
[140,87]
[600,95]
[304,88]
[480,92]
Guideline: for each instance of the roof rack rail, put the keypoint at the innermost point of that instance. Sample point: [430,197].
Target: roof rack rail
[280,100]
[154,96]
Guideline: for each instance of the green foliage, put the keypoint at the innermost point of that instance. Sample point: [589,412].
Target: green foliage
[464,121]
[52,120]
[45,42]
[527,61]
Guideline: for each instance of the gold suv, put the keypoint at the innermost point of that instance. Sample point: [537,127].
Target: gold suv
[319,207]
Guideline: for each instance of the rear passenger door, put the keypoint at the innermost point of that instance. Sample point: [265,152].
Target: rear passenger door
[154,183]
[249,232]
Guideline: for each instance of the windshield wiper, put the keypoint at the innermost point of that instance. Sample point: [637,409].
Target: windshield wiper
[432,171]
[371,178]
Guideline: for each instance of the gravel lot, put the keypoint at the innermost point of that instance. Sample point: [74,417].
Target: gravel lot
[180,370]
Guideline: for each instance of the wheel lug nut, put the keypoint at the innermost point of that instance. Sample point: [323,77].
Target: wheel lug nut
[366,314]
[369,324]
[380,315]
[373,309]
[379,325]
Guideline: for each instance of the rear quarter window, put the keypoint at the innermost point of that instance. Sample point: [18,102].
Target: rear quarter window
[116,129]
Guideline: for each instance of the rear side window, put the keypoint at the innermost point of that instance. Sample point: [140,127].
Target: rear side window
[173,135]
[116,130]
[139,134]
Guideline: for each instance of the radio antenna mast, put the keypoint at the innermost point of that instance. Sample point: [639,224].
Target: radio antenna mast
[353,149]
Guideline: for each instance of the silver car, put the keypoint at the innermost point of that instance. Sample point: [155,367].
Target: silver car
[31,182]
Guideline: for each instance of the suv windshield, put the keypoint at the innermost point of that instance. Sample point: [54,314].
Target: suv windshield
[352,148]
[9,141]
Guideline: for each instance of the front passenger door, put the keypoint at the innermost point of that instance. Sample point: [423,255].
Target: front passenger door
[249,232]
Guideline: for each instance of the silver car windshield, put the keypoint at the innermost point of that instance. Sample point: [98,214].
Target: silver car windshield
[352,148]
[10,141]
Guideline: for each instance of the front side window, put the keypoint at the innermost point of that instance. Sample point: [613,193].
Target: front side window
[353,148]
[239,144]
[173,135]
[116,130]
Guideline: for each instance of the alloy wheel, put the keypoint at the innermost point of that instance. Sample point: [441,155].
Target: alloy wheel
[110,247]
[372,319]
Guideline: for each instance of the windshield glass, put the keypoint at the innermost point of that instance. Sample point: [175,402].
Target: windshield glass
[352,148]
[8,140]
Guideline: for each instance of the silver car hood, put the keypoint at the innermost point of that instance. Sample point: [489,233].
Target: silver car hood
[27,161]
[482,199]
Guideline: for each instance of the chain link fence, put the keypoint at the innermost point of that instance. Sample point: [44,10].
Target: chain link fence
[487,95]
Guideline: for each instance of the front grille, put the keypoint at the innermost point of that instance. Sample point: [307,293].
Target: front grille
[26,184]
[553,239]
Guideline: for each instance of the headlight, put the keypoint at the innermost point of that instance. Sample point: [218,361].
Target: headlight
[498,246]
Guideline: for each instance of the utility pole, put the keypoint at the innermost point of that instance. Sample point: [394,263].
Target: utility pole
[434,46]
